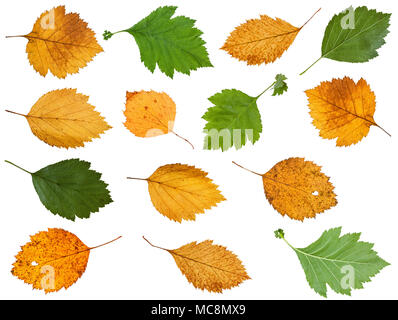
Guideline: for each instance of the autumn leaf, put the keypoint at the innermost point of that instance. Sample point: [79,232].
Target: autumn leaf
[342,109]
[174,44]
[150,114]
[65,119]
[208,266]
[297,188]
[60,43]
[235,119]
[179,191]
[261,40]
[341,262]
[354,35]
[70,189]
[52,260]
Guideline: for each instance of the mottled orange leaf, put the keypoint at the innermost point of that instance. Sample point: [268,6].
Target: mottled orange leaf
[150,114]
[61,43]
[342,109]
[65,119]
[261,40]
[179,191]
[52,260]
[208,266]
[297,188]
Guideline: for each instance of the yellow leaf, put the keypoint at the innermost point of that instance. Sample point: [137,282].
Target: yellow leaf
[65,119]
[342,109]
[297,188]
[150,114]
[52,260]
[208,266]
[261,40]
[61,43]
[179,191]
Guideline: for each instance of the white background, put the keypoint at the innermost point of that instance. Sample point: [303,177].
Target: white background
[365,175]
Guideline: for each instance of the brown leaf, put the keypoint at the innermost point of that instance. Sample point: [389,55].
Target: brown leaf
[52,260]
[342,109]
[261,40]
[208,266]
[61,43]
[298,188]
[179,191]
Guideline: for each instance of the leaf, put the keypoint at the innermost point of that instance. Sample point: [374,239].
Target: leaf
[52,260]
[297,188]
[60,43]
[261,40]
[342,262]
[342,109]
[235,118]
[150,114]
[354,35]
[280,85]
[232,120]
[208,266]
[179,191]
[65,119]
[70,189]
[174,44]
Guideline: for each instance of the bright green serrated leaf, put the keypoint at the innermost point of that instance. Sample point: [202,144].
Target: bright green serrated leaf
[354,35]
[342,262]
[280,85]
[232,121]
[174,44]
[70,189]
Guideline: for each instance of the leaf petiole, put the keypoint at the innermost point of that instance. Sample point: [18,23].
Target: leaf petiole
[18,167]
[266,90]
[152,245]
[246,169]
[13,112]
[310,66]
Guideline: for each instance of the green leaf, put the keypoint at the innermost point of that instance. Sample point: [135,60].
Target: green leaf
[70,189]
[280,85]
[354,35]
[174,44]
[342,262]
[232,120]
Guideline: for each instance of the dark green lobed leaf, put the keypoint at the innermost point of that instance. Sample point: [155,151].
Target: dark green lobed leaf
[69,189]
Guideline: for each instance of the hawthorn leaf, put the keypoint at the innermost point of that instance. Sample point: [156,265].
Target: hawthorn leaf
[232,120]
[57,250]
[280,85]
[174,44]
[354,35]
[235,119]
[208,266]
[70,189]
[341,262]
[61,43]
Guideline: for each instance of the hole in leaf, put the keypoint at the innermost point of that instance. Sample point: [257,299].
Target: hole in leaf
[315,193]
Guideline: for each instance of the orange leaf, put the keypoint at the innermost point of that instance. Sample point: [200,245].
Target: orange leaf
[52,260]
[150,114]
[342,109]
[298,188]
[65,119]
[208,266]
[179,191]
[61,43]
[261,40]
